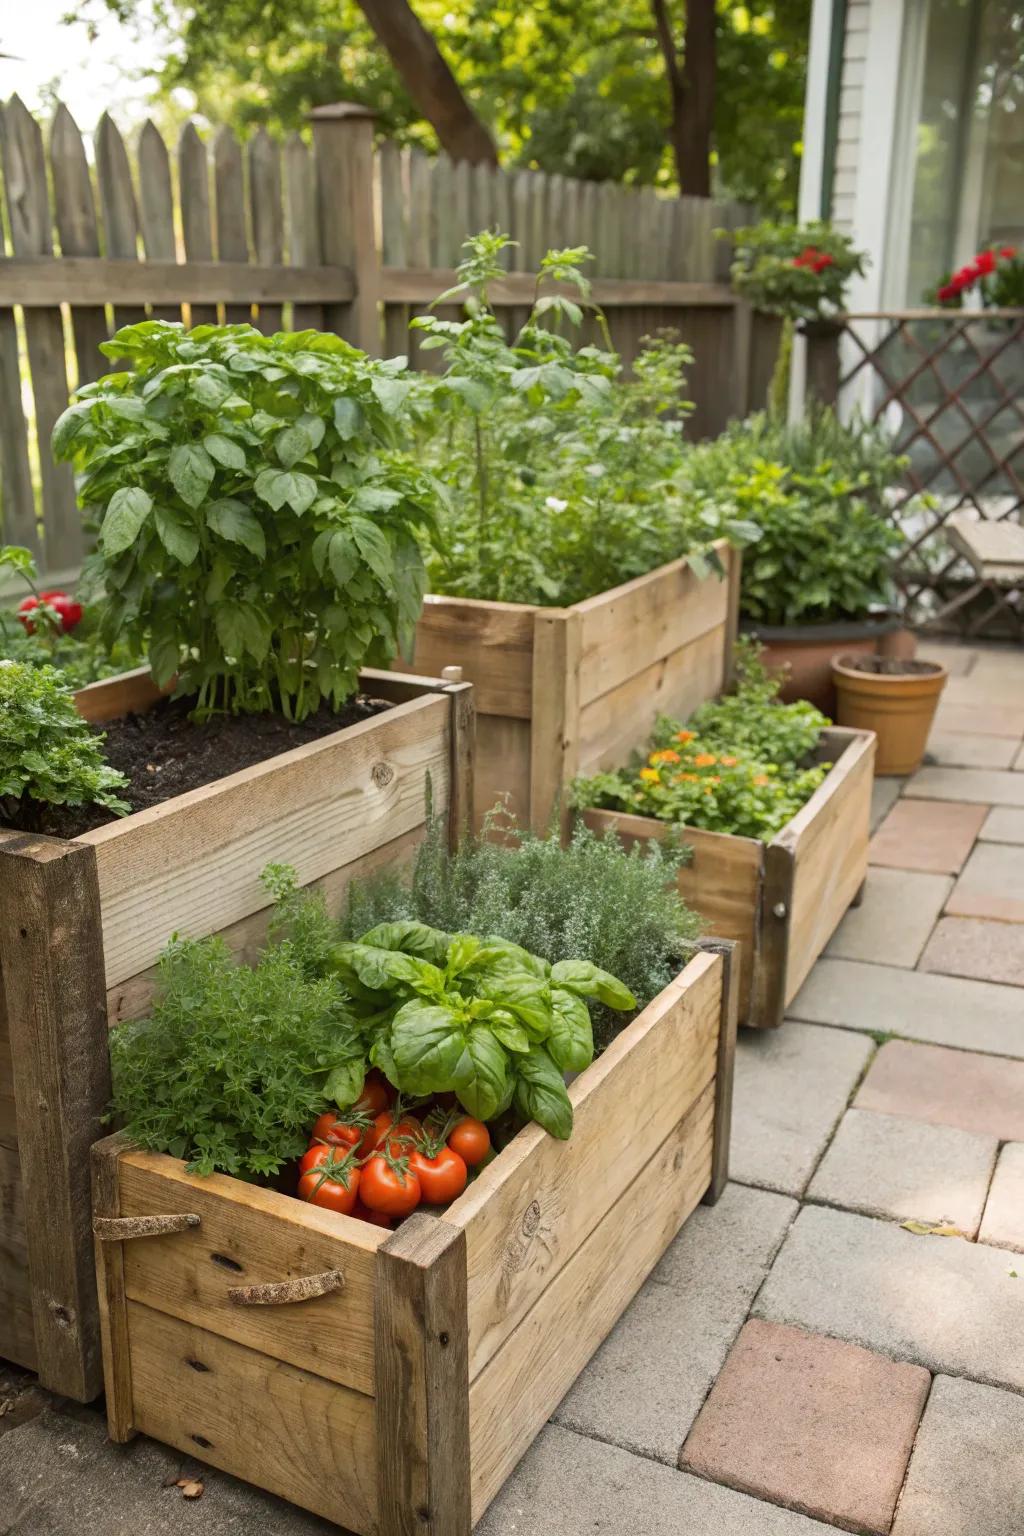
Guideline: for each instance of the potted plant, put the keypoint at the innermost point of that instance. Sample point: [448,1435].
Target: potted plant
[571,574]
[774,805]
[818,576]
[896,698]
[257,518]
[359,1358]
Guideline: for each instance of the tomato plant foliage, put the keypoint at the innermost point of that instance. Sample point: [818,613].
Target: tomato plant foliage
[257,510]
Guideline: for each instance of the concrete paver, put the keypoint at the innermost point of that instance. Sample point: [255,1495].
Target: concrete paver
[892,924]
[981,719]
[1003,1221]
[976,786]
[960,1088]
[816,1424]
[894,1167]
[792,1084]
[943,1010]
[970,946]
[643,1388]
[991,884]
[567,1485]
[1003,824]
[941,1302]
[919,835]
[966,1475]
[60,1476]
[884,794]
[958,660]
[954,749]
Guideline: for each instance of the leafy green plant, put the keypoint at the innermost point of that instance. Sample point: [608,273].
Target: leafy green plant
[591,897]
[231,1069]
[481,1018]
[564,473]
[738,766]
[257,511]
[44,640]
[817,492]
[799,271]
[48,754]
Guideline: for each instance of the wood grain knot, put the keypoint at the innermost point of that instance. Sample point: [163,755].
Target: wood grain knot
[382,774]
[531,1218]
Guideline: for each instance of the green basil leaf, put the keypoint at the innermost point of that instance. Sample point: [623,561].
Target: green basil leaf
[293,444]
[233,520]
[571,1042]
[178,536]
[391,393]
[540,1093]
[528,997]
[191,470]
[225,450]
[427,1045]
[415,938]
[462,951]
[590,981]
[345,1082]
[374,547]
[126,512]
[348,417]
[279,486]
[482,1093]
[381,968]
[506,1028]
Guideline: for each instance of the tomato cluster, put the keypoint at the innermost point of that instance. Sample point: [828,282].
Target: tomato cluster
[67,610]
[378,1162]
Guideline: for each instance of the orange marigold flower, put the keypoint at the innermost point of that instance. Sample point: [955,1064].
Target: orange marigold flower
[650,775]
[728,762]
[705,760]
[686,778]
[714,778]
[666,755]
[760,778]
[685,736]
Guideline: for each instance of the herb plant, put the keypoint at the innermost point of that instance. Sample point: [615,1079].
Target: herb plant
[817,491]
[233,1066]
[55,631]
[48,754]
[739,765]
[257,512]
[564,474]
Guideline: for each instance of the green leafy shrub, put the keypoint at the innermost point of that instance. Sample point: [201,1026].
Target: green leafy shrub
[796,270]
[817,493]
[231,1069]
[590,898]
[257,512]
[564,474]
[48,754]
[738,766]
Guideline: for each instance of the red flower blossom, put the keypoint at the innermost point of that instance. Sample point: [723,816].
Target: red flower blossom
[811,257]
[984,263]
[946,292]
[1007,253]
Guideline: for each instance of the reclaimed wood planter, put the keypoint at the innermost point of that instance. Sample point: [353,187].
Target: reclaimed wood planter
[781,901]
[390,1381]
[567,691]
[83,921]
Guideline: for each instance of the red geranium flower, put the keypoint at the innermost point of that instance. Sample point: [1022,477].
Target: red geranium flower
[1007,253]
[984,263]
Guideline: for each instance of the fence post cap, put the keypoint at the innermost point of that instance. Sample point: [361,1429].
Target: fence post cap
[335,110]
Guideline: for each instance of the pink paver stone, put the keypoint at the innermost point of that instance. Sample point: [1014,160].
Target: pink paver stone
[947,1087]
[934,835]
[812,1423]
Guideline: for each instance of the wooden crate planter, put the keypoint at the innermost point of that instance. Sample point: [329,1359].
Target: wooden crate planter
[82,923]
[400,1394]
[567,691]
[781,901]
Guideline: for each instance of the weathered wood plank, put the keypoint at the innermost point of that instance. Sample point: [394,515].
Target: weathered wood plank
[491,642]
[264,1237]
[113,1308]
[194,186]
[422,1373]
[343,152]
[50,937]
[78,233]
[19,503]
[120,218]
[156,207]
[85,280]
[267,224]
[554,712]
[302,225]
[533,1208]
[229,201]
[413,286]
[295,1434]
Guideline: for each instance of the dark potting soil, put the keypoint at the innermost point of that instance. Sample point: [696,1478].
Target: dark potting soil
[163,754]
[890,666]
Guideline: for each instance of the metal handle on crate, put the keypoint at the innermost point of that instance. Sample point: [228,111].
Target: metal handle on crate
[304,1288]
[118,1229]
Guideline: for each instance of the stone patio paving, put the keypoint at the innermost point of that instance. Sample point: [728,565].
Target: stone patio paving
[809,1355]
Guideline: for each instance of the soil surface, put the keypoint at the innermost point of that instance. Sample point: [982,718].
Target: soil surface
[163,754]
[890,666]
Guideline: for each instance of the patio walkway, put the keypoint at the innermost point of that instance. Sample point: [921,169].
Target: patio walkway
[839,1343]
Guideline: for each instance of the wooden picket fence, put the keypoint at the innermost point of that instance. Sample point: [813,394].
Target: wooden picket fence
[329,232]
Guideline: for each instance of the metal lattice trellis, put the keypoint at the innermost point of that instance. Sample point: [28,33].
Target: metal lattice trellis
[949,387]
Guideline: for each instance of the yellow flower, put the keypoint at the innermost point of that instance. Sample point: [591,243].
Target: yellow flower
[704,760]
[650,775]
[664,756]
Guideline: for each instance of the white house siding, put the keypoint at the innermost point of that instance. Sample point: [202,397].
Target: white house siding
[851,101]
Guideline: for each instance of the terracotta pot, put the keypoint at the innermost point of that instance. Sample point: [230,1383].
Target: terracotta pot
[899,706]
[807,650]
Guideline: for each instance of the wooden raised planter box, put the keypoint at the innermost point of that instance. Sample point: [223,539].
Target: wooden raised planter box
[400,1397]
[567,691]
[83,921]
[781,901]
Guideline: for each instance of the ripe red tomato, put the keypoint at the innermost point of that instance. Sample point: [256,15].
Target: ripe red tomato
[471,1140]
[399,1134]
[442,1177]
[336,1130]
[70,611]
[389,1187]
[377,1094]
[329,1177]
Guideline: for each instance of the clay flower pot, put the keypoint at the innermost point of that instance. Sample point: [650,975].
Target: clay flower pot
[806,651]
[895,698]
